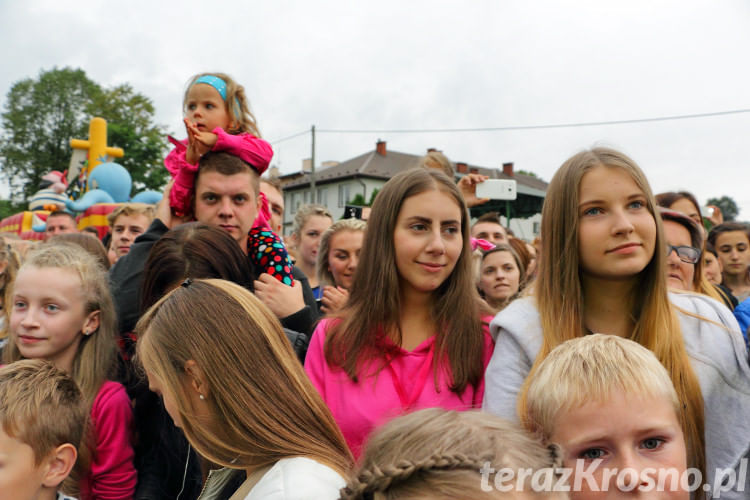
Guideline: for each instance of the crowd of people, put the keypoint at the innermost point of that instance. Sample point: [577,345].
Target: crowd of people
[197,352]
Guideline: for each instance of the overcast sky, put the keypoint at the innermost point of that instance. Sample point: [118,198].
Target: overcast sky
[392,65]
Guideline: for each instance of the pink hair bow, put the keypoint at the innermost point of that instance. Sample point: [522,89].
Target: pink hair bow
[481,244]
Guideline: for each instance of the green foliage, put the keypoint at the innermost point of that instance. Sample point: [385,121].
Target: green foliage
[129,118]
[9,207]
[358,200]
[372,196]
[526,172]
[40,118]
[42,115]
[727,205]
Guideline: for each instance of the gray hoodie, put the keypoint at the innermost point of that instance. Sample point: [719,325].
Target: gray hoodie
[718,357]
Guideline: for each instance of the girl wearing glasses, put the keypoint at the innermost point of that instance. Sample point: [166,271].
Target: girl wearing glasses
[603,269]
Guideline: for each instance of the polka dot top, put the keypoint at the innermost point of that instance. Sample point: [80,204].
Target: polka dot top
[268,254]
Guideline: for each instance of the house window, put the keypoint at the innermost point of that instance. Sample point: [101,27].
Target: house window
[343,195]
[307,197]
[323,196]
[296,201]
[536,228]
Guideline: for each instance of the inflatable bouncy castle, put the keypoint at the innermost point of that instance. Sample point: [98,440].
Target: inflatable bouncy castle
[93,187]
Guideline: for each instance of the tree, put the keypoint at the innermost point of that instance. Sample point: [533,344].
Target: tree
[727,205]
[9,207]
[526,172]
[372,196]
[358,200]
[129,118]
[41,116]
[40,119]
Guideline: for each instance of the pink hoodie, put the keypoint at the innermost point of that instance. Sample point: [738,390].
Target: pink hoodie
[405,386]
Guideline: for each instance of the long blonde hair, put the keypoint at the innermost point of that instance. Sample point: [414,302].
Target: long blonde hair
[559,291]
[96,358]
[263,406]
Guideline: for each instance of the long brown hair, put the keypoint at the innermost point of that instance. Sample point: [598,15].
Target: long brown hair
[374,303]
[559,291]
[263,407]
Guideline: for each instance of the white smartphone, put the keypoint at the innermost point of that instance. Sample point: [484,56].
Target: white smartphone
[497,189]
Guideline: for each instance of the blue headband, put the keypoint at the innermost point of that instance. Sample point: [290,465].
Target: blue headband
[216,82]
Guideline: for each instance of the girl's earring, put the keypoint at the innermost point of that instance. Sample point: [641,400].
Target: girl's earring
[202,397]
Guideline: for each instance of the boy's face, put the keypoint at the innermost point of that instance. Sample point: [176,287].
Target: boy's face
[125,229]
[20,477]
[626,432]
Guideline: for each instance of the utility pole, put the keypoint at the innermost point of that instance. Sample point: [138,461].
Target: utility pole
[312,168]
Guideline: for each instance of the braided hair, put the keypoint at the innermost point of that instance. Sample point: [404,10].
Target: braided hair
[376,478]
[440,453]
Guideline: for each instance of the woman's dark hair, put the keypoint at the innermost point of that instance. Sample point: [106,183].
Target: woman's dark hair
[710,248]
[669,198]
[523,254]
[726,227]
[197,251]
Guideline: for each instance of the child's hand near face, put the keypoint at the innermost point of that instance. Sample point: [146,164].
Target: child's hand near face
[199,142]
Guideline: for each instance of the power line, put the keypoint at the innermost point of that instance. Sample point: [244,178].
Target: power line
[289,137]
[528,127]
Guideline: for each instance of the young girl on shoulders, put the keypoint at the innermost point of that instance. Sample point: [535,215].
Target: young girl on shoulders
[411,333]
[217,118]
[603,270]
[62,312]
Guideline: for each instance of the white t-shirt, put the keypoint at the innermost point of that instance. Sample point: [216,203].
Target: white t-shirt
[298,479]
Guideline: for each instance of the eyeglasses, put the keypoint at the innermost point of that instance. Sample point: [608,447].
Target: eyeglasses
[689,255]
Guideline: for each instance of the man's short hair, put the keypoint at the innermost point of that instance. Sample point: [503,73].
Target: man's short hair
[41,406]
[62,213]
[273,181]
[489,217]
[129,209]
[227,164]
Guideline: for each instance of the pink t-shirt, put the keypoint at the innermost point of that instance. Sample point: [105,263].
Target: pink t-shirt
[113,475]
[406,385]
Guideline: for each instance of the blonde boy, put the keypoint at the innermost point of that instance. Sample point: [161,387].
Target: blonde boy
[42,418]
[610,405]
[126,223]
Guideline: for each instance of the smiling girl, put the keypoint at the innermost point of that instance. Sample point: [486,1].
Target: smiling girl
[603,270]
[411,334]
[62,312]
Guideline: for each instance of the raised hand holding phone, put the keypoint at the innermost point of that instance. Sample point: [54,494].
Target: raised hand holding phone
[497,189]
